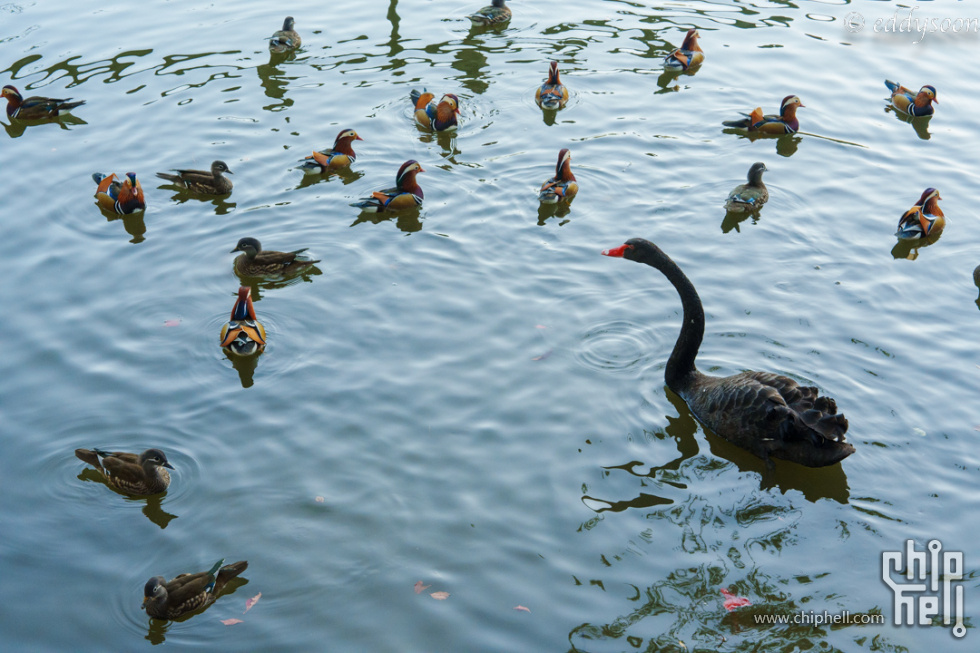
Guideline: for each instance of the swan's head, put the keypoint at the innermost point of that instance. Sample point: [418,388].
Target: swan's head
[633,249]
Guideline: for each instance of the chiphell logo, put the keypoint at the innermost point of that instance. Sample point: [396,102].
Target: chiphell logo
[920,603]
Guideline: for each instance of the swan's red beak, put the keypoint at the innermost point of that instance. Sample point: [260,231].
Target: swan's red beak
[616,251]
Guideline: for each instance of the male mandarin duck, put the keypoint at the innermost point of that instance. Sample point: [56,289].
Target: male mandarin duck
[286,38]
[430,115]
[123,197]
[243,334]
[188,592]
[914,104]
[341,156]
[561,187]
[405,195]
[924,219]
[751,196]
[784,123]
[494,14]
[35,107]
[688,55]
[201,181]
[552,94]
[256,262]
[128,472]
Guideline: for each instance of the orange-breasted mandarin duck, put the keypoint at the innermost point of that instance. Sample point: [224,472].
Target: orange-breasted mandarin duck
[340,156]
[243,334]
[688,55]
[749,197]
[913,104]
[163,599]
[785,123]
[494,14]
[405,195]
[552,94]
[562,187]
[130,473]
[924,219]
[122,197]
[285,39]
[35,107]
[211,182]
[257,262]
[430,115]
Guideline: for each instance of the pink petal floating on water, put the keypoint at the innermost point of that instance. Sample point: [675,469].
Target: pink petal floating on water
[252,601]
[732,601]
[419,587]
[440,596]
[543,356]
[540,326]
[231,622]
[319,499]
[521,607]
[172,323]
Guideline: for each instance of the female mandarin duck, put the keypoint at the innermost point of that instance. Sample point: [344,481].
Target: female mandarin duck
[751,196]
[784,123]
[552,94]
[35,107]
[405,195]
[562,187]
[201,181]
[913,104]
[285,39]
[688,55]
[122,197]
[188,592]
[341,156]
[256,262]
[128,472]
[430,115]
[494,14]
[243,334]
[924,219]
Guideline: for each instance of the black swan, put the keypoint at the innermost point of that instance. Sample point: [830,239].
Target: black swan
[768,414]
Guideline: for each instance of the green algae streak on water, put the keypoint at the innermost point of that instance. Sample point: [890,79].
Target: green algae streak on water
[470,395]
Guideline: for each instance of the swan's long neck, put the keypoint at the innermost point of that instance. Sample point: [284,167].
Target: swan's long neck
[680,365]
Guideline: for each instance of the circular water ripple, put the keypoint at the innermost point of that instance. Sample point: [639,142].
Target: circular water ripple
[617,346]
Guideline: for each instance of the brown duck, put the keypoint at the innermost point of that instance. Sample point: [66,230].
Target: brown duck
[256,262]
[187,592]
[128,472]
[768,414]
[201,181]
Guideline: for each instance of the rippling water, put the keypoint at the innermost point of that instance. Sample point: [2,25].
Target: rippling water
[473,393]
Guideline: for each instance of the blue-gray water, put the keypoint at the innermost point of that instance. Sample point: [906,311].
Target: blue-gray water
[476,394]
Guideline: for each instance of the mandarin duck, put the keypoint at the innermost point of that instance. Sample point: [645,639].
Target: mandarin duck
[784,123]
[286,38]
[188,592]
[494,14]
[688,55]
[924,219]
[256,262]
[913,104]
[35,107]
[340,156]
[751,196]
[405,195]
[552,94]
[562,187]
[130,473]
[122,197]
[430,115]
[243,334]
[201,181]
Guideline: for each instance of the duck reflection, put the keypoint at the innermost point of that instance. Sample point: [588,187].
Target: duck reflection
[346,176]
[152,505]
[274,81]
[17,127]
[909,249]
[408,220]
[221,204]
[919,124]
[133,223]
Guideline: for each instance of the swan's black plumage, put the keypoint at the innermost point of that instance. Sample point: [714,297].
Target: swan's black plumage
[769,414]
